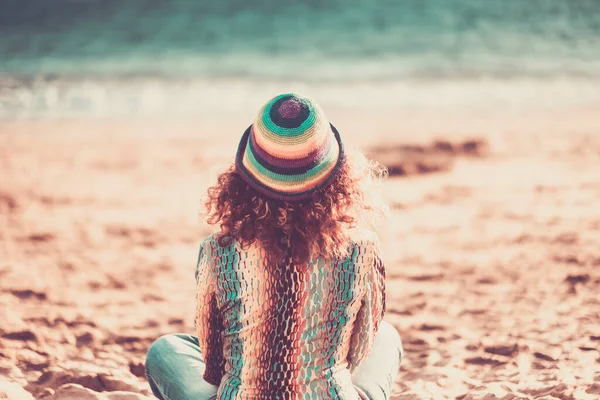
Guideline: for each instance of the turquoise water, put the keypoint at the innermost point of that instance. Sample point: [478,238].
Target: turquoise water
[316,41]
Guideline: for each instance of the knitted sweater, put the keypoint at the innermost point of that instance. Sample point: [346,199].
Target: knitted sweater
[295,332]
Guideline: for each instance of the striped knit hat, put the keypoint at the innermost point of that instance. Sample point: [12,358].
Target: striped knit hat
[291,150]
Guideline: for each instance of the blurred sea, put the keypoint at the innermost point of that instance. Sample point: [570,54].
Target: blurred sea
[131,57]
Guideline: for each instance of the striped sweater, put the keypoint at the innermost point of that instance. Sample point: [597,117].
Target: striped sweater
[292,332]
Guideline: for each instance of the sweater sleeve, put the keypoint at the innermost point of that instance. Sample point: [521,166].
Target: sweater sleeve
[208,321]
[371,310]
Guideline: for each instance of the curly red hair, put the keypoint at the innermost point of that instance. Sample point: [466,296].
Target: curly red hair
[317,227]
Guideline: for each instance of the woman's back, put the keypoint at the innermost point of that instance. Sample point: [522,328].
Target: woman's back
[292,332]
[290,292]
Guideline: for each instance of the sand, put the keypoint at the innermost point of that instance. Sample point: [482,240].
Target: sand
[492,255]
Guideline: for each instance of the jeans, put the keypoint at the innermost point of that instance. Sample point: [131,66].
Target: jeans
[174,367]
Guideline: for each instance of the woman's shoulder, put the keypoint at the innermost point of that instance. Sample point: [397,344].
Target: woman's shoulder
[216,241]
[216,244]
[210,248]
[364,238]
[211,240]
[364,244]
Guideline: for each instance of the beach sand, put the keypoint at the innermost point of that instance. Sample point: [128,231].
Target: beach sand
[492,255]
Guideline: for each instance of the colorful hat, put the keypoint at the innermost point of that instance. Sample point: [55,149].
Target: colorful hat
[291,150]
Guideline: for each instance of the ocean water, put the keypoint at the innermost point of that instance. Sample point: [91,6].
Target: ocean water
[104,57]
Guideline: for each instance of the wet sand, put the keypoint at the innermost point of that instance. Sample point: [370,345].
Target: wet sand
[493,256]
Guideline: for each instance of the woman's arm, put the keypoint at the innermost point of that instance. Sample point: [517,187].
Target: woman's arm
[208,321]
[371,310]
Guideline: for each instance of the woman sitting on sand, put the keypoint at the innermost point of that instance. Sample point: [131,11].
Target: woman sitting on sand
[291,290]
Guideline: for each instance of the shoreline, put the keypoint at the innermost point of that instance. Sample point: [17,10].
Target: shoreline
[148,98]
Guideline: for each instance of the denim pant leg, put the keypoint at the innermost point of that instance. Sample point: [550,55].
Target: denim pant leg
[375,376]
[174,369]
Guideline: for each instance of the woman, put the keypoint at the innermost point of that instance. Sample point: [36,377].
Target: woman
[290,291]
